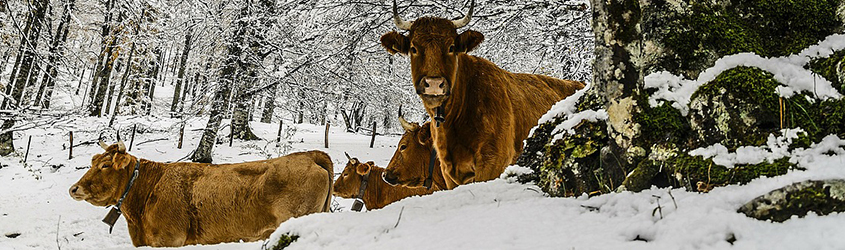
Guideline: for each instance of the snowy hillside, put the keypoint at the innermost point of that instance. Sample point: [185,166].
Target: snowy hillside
[499,214]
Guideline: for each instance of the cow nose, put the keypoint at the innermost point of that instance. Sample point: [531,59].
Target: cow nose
[75,193]
[389,178]
[434,85]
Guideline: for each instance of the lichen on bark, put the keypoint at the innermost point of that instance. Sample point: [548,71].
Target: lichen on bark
[821,197]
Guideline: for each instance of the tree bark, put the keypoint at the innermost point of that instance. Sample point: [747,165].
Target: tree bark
[56,52]
[110,55]
[123,81]
[180,78]
[29,41]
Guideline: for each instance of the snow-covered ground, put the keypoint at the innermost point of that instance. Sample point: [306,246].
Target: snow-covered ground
[500,214]
[34,200]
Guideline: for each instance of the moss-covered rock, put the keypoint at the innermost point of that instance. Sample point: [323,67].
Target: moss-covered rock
[739,108]
[831,68]
[284,241]
[700,32]
[798,199]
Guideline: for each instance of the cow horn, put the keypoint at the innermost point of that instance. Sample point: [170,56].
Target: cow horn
[401,24]
[405,124]
[347,156]
[103,144]
[465,20]
[121,147]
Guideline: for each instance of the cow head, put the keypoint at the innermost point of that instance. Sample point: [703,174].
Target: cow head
[105,181]
[349,182]
[409,165]
[433,45]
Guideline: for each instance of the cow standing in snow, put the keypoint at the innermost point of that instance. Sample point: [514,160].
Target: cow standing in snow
[176,204]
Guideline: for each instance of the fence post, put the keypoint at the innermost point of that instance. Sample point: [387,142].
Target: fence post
[181,136]
[27,149]
[132,139]
[70,152]
[279,137]
[327,134]
[373,138]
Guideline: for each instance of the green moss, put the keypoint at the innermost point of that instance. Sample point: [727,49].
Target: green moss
[662,124]
[817,119]
[768,28]
[751,108]
[831,68]
[571,162]
[696,168]
[285,241]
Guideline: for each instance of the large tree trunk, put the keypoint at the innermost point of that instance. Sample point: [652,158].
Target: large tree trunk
[180,78]
[56,50]
[240,114]
[29,41]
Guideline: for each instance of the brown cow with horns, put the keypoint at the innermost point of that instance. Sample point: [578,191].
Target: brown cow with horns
[184,203]
[486,112]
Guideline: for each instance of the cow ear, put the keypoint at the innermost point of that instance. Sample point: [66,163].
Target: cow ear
[394,43]
[363,169]
[469,40]
[120,160]
[424,134]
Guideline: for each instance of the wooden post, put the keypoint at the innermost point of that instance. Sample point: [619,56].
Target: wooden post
[328,124]
[373,138]
[231,136]
[181,136]
[27,149]
[279,137]
[70,152]
[132,139]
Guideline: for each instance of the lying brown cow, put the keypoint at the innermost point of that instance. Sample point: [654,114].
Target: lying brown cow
[486,112]
[377,193]
[410,162]
[176,204]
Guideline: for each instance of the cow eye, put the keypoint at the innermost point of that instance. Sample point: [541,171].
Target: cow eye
[413,50]
[403,147]
[106,166]
[452,49]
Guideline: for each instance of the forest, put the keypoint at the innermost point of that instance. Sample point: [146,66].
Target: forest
[299,61]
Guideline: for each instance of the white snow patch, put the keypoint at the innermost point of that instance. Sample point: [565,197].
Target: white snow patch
[513,171]
[788,70]
[563,107]
[575,119]
[776,147]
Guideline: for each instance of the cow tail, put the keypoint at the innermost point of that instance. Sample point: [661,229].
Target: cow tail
[323,159]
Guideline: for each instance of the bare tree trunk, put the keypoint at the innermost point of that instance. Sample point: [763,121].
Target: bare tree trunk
[123,82]
[29,41]
[155,73]
[180,78]
[104,74]
[55,54]
[240,114]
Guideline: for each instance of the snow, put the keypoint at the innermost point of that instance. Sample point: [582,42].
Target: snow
[567,106]
[788,70]
[499,214]
[776,147]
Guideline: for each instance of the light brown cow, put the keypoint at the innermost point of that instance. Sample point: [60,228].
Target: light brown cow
[176,204]
[377,193]
[410,162]
[486,111]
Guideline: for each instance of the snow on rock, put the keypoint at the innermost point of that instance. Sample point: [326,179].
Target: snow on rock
[567,106]
[788,70]
[776,147]
[575,119]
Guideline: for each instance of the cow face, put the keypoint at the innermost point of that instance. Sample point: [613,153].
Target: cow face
[349,182]
[105,181]
[409,165]
[434,46]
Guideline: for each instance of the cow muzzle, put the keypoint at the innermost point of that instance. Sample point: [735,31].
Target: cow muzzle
[434,86]
[77,193]
[390,178]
